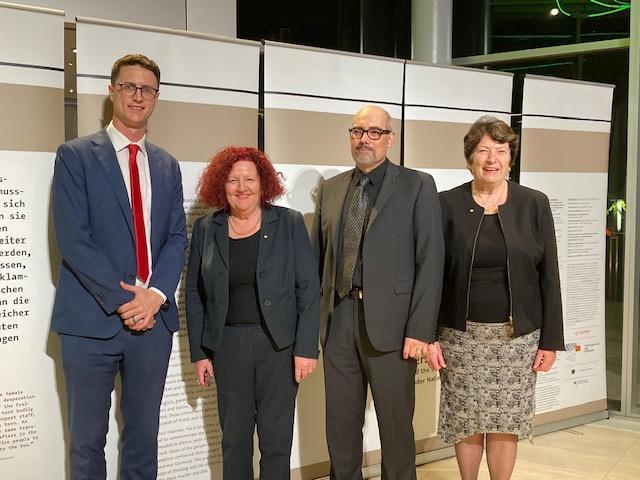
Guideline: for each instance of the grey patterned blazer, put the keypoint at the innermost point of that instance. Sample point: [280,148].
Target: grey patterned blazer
[287,279]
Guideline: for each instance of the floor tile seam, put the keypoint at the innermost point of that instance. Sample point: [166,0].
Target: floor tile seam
[636,442]
[611,469]
[594,437]
[620,451]
[617,427]
[560,469]
[628,449]
[543,462]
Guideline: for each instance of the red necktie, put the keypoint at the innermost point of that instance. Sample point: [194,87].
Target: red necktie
[142,258]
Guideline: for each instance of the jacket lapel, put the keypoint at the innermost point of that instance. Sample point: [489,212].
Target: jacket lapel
[267,234]
[106,155]
[389,183]
[336,205]
[221,235]
[157,192]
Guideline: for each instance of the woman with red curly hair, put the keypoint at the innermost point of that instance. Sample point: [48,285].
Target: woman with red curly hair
[253,306]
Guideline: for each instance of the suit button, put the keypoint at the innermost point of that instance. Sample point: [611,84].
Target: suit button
[263,274]
[267,303]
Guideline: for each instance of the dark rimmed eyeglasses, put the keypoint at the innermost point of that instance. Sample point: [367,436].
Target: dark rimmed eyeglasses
[372,133]
[129,89]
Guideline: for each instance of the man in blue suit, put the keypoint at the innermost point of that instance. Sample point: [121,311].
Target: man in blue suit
[120,227]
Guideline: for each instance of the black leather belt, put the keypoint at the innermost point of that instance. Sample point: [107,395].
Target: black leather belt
[356,294]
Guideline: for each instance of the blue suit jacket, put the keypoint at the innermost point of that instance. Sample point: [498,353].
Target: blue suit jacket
[95,235]
[286,278]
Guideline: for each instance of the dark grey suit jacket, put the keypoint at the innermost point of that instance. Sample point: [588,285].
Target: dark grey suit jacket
[402,256]
[287,279]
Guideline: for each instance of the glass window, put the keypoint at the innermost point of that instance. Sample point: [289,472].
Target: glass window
[493,26]
[378,27]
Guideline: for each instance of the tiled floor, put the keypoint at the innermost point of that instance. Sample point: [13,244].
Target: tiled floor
[608,449]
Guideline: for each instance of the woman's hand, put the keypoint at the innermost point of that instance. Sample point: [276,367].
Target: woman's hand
[544,360]
[204,371]
[303,367]
[413,348]
[434,356]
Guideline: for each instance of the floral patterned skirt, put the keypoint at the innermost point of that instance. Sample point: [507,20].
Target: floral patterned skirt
[488,385]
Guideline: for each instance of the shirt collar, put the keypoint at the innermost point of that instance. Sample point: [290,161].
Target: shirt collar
[121,142]
[376,175]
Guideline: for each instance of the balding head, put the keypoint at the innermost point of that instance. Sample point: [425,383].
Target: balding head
[378,112]
[368,153]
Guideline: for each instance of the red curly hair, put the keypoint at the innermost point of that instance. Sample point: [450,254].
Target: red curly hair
[211,188]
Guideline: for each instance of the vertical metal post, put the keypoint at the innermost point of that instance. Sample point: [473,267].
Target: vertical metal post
[632,261]
[431,31]
[361,26]
[486,43]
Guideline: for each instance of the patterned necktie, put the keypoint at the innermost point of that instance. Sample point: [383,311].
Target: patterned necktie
[352,238]
[142,258]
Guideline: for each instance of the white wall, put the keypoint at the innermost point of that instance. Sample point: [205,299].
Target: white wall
[212,16]
[208,16]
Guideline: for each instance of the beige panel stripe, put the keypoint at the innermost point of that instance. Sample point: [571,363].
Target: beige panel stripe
[189,131]
[313,138]
[564,151]
[32,118]
[430,144]
[571,412]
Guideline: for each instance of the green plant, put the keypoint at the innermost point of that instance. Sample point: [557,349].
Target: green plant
[618,208]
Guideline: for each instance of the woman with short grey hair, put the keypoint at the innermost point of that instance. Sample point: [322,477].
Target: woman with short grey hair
[500,319]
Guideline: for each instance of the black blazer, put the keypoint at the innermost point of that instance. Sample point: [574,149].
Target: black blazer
[287,279]
[534,280]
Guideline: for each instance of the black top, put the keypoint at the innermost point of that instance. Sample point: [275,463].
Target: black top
[376,176]
[243,290]
[489,289]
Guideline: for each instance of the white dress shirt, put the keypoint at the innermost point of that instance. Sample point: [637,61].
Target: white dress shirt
[120,144]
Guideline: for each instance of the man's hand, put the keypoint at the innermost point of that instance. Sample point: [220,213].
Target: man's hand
[434,356]
[139,313]
[204,371]
[413,348]
[303,367]
[544,360]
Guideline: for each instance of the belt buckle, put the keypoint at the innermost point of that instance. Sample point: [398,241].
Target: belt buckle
[356,294]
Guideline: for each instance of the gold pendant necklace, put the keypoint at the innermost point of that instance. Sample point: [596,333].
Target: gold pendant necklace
[478,198]
[250,231]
